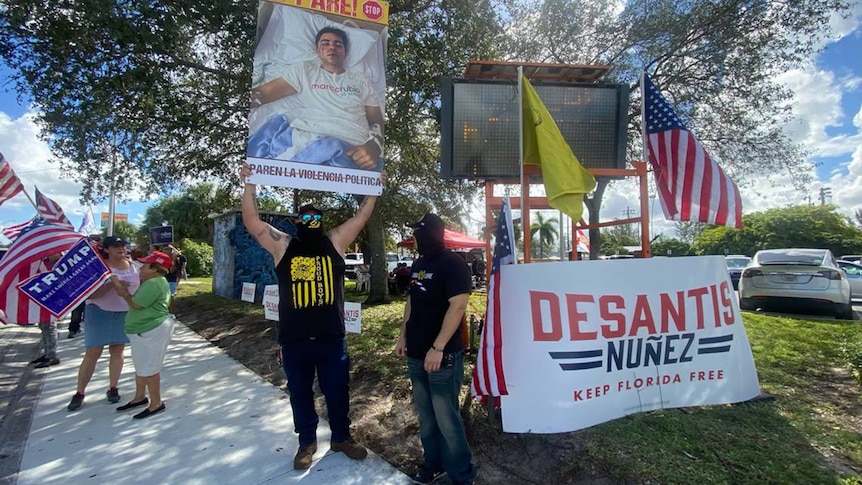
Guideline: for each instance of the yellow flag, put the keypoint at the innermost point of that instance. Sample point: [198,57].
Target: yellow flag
[566,180]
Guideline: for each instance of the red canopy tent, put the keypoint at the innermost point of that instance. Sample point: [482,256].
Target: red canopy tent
[452,239]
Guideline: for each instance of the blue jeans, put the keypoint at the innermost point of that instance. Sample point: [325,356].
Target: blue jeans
[328,358]
[440,427]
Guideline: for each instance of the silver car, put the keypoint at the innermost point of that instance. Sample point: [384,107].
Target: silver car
[735,263]
[795,280]
[853,271]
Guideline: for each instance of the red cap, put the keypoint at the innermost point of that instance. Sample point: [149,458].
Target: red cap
[158,258]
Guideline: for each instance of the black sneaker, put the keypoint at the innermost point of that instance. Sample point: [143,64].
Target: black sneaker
[113,395]
[76,402]
[427,475]
[40,359]
[47,363]
[73,334]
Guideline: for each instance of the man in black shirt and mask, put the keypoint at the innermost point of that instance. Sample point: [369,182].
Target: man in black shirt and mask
[310,271]
[431,339]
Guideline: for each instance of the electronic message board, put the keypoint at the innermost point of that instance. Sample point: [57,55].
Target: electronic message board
[480,118]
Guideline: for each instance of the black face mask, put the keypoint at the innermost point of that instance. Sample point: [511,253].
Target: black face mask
[428,243]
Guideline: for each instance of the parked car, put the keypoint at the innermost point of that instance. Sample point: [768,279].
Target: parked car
[735,263]
[352,261]
[853,258]
[795,280]
[854,275]
[391,262]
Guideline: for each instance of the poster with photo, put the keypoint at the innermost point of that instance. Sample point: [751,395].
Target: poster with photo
[318,96]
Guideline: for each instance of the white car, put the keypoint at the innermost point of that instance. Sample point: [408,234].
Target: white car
[352,261]
[854,276]
[795,280]
[391,262]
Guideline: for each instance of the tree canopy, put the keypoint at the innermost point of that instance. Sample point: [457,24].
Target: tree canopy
[133,90]
[800,226]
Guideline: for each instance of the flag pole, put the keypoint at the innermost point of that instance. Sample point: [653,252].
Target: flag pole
[646,223]
[31,201]
[525,180]
[521,123]
[644,153]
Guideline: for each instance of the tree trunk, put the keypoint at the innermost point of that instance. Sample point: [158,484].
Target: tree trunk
[594,205]
[379,292]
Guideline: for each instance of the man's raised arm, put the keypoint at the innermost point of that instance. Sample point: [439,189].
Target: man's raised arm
[343,235]
[270,238]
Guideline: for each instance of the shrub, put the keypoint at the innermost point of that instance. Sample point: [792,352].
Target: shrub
[199,255]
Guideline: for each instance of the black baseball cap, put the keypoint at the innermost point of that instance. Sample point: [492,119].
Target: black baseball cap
[431,222]
[309,208]
[111,241]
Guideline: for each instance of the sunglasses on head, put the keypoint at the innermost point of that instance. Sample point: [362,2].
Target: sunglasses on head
[309,217]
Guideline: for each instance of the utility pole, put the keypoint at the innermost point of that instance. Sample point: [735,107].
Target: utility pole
[824,193]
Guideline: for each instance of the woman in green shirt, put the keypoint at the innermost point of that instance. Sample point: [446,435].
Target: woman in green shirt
[149,326]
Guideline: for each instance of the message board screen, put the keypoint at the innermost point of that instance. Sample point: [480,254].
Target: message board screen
[480,118]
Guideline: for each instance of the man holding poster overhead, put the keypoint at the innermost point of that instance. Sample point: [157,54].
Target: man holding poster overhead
[340,123]
[310,271]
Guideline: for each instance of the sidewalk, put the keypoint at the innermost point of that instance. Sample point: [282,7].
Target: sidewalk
[223,424]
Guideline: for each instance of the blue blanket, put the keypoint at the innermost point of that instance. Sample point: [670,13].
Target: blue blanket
[276,136]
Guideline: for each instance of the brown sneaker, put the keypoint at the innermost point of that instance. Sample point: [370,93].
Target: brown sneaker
[350,448]
[302,460]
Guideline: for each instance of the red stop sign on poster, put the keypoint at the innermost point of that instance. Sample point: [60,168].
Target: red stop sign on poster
[372,10]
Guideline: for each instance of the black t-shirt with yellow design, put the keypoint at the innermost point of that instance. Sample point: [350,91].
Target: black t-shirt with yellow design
[311,292]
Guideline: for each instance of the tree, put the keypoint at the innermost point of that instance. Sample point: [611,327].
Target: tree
[668,246]
[546,230]
[716,61]
[615,237]
[189,210]
[688,231]
[175,78]
[800,226]
[125,230]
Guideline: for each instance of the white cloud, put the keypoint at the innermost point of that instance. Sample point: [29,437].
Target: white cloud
[842,27]
[29,156]
[817,107]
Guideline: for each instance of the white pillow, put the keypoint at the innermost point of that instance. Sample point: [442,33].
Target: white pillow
[289,38]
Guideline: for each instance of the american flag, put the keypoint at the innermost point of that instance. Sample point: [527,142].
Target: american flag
[691,186]
[10,184]
[35,243]
[51,211]
[15,305]
[11,232]
[488,378]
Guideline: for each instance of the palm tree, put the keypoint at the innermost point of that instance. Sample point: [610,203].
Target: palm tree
[547,231]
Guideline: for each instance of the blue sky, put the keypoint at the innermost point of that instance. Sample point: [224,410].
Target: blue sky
[827,103]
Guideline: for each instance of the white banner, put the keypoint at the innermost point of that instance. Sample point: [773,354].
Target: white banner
[248,290]
[352,317]
[270,302]
[590,341]
[281,173]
